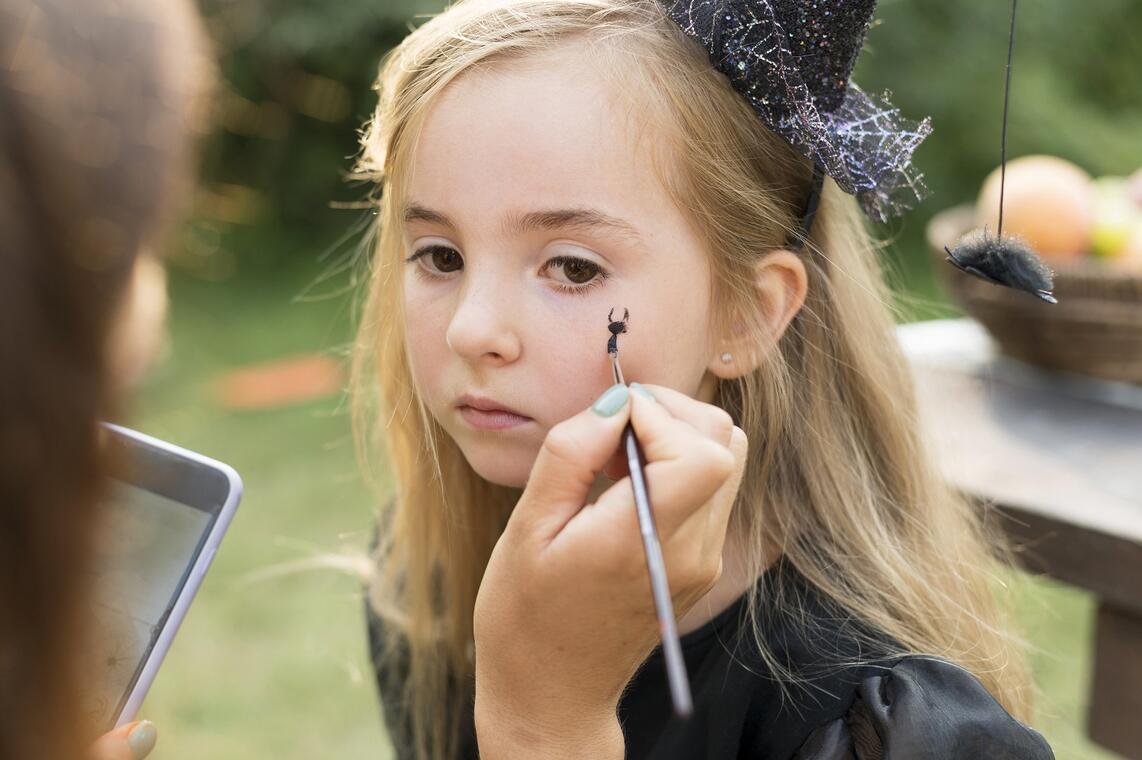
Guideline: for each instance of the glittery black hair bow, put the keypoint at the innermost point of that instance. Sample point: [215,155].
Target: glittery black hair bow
[791,59]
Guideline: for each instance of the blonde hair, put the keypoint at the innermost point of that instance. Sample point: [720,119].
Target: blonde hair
[839,476]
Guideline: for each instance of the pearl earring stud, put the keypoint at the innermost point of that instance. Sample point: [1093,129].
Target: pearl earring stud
[727,357]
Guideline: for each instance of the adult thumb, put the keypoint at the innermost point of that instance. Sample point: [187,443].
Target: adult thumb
[133,741]
[572,453]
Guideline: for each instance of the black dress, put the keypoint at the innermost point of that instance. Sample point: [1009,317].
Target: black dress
[914,707]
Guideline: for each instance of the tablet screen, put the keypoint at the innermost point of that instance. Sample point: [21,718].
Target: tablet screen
[146,547]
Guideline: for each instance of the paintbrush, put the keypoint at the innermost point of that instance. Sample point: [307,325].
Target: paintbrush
[663,605]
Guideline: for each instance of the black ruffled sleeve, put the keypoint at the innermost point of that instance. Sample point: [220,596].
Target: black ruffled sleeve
[924,707]
[391,674]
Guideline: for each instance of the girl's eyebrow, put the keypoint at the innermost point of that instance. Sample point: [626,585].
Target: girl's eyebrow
[579,218]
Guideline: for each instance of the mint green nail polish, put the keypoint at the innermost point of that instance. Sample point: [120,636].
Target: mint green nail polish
[641,389]
[142,739]
[611,401]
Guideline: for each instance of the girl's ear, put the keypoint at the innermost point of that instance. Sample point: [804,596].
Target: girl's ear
[780,285]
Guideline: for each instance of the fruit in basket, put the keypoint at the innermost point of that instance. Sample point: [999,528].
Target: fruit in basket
[1129,259]
[1116,217]
[1048,201]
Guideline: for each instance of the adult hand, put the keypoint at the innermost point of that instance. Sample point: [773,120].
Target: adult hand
[564,615]
[132,741]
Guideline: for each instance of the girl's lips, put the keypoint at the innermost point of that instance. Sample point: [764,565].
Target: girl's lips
[491,420]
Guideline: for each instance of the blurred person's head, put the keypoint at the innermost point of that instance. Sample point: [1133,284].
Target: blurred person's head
[96,103]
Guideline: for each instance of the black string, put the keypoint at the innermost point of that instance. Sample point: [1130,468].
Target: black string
[1003,135]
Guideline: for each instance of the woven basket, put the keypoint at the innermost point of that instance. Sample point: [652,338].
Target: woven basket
[1095,329]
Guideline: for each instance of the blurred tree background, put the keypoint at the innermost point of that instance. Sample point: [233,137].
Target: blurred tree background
[272,663]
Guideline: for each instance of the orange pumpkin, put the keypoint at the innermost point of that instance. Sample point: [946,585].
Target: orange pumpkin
[1048,201]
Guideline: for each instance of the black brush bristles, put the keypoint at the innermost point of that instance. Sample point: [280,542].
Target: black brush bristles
[1007,261]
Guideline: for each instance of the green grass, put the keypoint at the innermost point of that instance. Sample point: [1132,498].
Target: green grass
[271,667]
[276,667]
[1059,621]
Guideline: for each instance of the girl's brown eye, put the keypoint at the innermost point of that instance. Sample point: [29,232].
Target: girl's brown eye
[579,271]
[446,259]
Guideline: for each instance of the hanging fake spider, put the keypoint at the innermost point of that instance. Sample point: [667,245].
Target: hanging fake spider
[1004,261]
[1000,260]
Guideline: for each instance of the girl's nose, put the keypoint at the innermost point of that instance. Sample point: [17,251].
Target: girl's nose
[481,329]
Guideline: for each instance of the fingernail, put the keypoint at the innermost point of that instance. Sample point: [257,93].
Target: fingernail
[611,401]
[142,739]
[641,389]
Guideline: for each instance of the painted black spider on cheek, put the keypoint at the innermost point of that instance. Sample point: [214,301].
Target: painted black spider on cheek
[617,329]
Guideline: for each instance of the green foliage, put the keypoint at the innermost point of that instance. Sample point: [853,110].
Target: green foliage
[1076,83]
[295,87]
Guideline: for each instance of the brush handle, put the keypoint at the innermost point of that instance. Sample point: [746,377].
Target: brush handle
[663,605]
[659,587]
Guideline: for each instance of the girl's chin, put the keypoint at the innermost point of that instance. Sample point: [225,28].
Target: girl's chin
[510,480]
[502,473]
[501,470]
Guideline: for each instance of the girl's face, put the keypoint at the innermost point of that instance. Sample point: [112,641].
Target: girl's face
[532,213]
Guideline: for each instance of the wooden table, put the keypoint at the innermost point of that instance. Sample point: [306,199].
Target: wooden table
[1060,456]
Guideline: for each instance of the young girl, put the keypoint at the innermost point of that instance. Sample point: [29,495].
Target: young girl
[544,162]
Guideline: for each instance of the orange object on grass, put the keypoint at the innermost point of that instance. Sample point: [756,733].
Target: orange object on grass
[280,383]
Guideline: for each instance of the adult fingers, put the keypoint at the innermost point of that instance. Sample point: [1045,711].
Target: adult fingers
[684,468]
[710,420]
[703,534]
[572,453]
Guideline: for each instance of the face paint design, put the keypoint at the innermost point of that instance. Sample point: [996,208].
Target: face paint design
[617,329]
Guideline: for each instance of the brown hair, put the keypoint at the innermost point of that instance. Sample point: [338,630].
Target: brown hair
[838,477]
[96,98]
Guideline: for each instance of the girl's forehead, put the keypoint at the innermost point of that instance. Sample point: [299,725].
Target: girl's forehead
[552,129]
